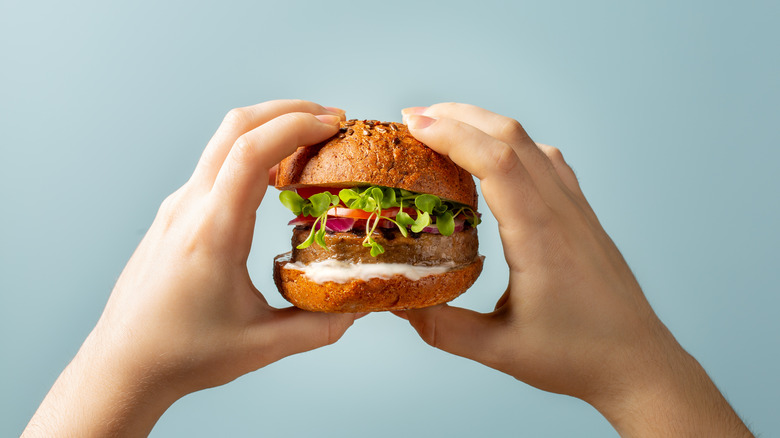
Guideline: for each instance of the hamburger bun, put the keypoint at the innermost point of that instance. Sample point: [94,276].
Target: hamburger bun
[377,294]
[416,269]
[380,153]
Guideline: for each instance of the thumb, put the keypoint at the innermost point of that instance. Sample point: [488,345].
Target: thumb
[459,331]
[292,330]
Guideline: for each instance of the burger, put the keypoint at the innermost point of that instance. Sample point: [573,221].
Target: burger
[382,223]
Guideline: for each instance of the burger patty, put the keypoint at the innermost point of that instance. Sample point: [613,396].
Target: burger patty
[425,249]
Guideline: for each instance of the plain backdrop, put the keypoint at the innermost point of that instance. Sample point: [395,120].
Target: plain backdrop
[667,111]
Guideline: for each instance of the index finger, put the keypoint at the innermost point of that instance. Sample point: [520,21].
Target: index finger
[238,122]
[508,188]
[505,129]
[501,127]
[242,180]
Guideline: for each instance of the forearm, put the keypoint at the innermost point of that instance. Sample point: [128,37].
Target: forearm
[97,395]
[675,397]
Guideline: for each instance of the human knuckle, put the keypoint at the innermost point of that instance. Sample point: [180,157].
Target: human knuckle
[426,328]
[505,158]
[168,204]
[296,117]
[554,154]
[293,121]
[243,149]
[336,329]
[183,195]
[330,335]
[511,129]
[236,118]
[169,209]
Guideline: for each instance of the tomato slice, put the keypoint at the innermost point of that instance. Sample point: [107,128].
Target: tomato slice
[348,212]
[393,211]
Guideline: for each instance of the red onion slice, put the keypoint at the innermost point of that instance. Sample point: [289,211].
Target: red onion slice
[340,224]
[433,229]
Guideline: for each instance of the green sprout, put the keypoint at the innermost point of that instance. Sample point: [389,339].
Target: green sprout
[374,199]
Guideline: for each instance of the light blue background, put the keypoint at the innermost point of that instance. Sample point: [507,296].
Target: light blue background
[667,110]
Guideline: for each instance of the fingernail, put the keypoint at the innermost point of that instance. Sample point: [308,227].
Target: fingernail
[328,119]
[419,122]
[335,110]
[414,110]
[406,112]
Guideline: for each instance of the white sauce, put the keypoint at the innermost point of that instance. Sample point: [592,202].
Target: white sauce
[342,272]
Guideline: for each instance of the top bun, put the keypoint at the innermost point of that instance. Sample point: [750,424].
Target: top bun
[377,153]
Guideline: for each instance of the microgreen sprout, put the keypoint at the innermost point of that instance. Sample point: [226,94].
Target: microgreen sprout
[315,206]
[373,200]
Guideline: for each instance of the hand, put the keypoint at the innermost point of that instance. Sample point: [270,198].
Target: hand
[184,315]
[573,319]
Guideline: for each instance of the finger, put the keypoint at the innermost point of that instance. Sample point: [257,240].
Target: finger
[458,331]
[501,127]
[241,182]
[238,121]
[498,126]
[503,300]
[509,191]
[272,175]
[569,178]
[292,330]
[564,171]
[400,313]
[480,154]
[412,110]
[511,194]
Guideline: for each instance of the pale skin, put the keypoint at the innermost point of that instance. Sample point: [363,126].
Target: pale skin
[184,315]
[573,319]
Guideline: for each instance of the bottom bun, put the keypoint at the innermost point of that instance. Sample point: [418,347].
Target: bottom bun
[395,293]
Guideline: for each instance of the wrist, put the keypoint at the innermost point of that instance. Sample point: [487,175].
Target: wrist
[104,391]
[119,366]
[666,392]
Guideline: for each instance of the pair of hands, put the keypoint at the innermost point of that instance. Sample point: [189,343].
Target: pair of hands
[184,314]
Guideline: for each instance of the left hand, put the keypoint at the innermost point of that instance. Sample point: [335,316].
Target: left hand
[184,314]
[185,304]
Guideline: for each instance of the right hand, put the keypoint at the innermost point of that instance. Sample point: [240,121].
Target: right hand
[573,319]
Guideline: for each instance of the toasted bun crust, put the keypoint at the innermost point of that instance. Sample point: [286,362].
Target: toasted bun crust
[395,293]
[380,153]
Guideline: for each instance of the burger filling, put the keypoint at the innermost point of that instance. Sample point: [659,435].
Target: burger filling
[377,232]
[374,212]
